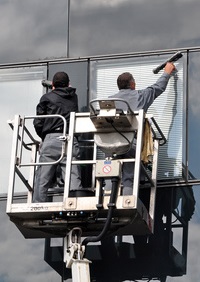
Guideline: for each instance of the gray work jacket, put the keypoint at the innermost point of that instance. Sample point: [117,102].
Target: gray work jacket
[142,99]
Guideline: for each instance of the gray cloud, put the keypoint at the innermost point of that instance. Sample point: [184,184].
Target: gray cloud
[33,30]
[133,26]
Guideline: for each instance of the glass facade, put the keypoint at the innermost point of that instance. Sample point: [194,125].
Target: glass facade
[39,259]
[167,109]
[78,72]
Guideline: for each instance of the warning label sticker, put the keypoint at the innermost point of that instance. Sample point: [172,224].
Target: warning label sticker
[106,169]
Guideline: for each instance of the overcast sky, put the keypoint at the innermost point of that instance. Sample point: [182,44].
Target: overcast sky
[37,29]
[32,30]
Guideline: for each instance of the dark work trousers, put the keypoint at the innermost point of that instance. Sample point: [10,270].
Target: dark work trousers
[128,170]
[51,151]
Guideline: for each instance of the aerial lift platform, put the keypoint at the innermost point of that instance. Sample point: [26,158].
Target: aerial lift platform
[82,220]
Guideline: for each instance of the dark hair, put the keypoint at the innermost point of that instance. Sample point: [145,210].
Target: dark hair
[60,79]
[124,79]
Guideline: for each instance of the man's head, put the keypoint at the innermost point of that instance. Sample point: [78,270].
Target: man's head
[126,81]
[60,79]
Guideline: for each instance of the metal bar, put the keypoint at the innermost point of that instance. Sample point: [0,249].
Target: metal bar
[100,57]
[22,138]
[69,155]
[146,174]
[68,30]
[64,136]
[32,173]
[30,136]
[94,165]
[111,99]
[94,161]
[24,180]
[19,137]
[187,119]
[185,241]
[160,132]
[88,81]
[81,270]
[49,163]
[13,163]
[136,180]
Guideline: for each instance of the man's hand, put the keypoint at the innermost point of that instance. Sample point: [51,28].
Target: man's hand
[169,68]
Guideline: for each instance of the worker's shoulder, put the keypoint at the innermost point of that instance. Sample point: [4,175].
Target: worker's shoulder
[46,96]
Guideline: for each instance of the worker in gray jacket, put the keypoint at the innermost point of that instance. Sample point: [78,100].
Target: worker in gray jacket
[138,99]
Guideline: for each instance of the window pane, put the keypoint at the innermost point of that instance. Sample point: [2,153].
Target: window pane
[167,108]
[78,79]
[194,114]
[21,89]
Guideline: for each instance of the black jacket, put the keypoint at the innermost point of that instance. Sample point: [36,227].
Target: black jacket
[60,101]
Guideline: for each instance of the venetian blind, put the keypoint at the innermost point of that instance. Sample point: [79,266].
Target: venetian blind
[167,108]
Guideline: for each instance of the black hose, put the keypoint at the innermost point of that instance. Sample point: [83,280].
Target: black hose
[111,207]
[103,232]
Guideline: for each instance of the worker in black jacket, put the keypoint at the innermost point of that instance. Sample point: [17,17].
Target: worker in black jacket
[61,100]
